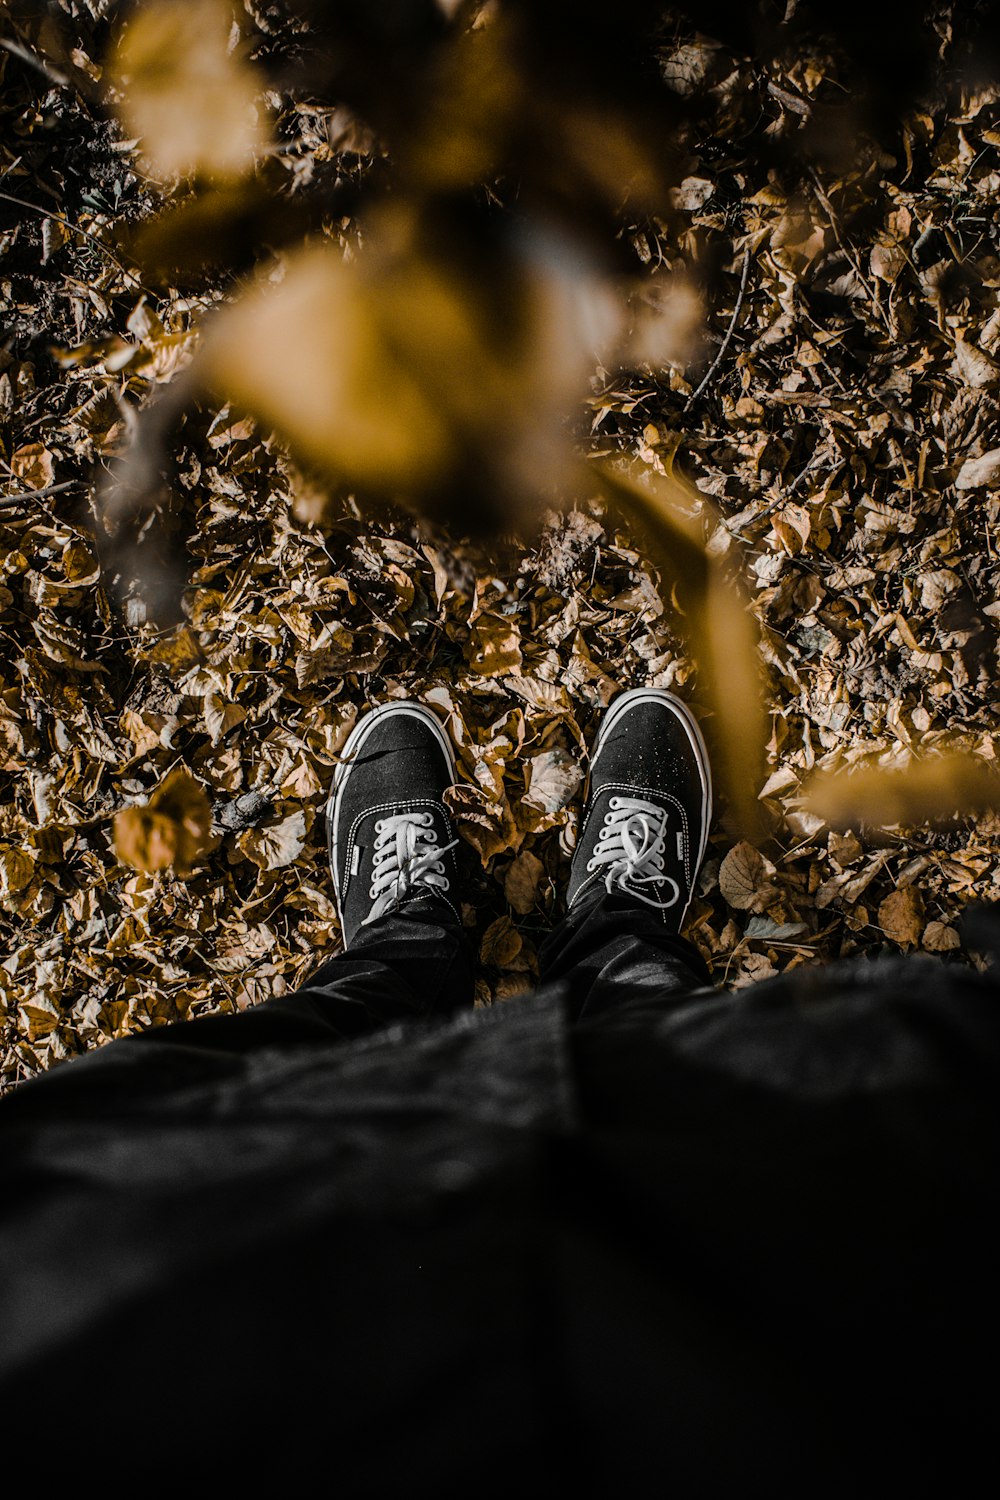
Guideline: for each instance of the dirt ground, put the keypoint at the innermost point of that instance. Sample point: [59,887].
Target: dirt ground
[848,436]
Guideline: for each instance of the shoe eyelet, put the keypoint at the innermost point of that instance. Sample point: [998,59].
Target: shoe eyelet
[615,803]
[427,819]
[379,826]
[371,893]
[431,838]
[591,865]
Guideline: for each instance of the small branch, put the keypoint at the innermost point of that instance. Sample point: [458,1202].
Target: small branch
[50,489]
[17,50]
[716,362]
[47,213]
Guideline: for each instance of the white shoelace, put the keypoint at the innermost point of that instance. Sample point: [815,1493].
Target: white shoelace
[406,854]
[629,852]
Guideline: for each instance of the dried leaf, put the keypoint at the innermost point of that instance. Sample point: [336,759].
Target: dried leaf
[901,916]
[501,943]
[32,464]
[980,473]
[552,779]
[743,878]
[522,880]
[276,845]
[16,870]
[940,938]
[171,831]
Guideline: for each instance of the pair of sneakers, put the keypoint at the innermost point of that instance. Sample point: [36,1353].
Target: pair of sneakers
[642,834]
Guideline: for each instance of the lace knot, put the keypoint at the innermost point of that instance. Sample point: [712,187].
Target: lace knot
[629,850]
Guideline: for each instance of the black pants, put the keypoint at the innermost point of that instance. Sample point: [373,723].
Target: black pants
[415,963]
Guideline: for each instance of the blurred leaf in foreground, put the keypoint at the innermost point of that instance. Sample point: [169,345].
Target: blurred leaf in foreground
[171,831]
[925,791]
[187,92]
[668,513]
[415,372]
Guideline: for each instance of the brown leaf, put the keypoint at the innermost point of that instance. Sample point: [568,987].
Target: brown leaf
[521,882]
[901,916]
[488,825]
[501,943]
[16,869]
[33,465]
[743,878]
[940,938]
[171,831]
[494,646]
[276,845]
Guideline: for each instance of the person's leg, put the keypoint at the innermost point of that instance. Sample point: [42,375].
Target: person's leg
[391,846]
[411,963]
[392,859]
[642,838]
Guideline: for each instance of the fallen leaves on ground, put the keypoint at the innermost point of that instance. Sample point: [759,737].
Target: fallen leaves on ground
[848,443]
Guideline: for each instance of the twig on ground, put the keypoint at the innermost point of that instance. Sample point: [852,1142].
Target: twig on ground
[43,494]
[716,362]
[17,50]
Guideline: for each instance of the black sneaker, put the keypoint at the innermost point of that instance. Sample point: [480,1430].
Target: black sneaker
[389,835]
[648,806]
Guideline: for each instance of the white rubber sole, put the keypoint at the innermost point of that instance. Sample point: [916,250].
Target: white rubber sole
[352,748]
[690,723]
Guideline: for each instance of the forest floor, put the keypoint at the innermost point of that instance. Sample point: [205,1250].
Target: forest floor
[848,437]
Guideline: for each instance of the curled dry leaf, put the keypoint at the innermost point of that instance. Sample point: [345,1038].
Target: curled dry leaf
[980,473]
[171,831]
[485,823]
[924,791]
[901,916]
[552,779]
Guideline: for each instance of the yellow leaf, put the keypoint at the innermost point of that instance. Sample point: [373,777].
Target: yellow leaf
[187,94]
[722,635]
[312,358]
[925,790]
